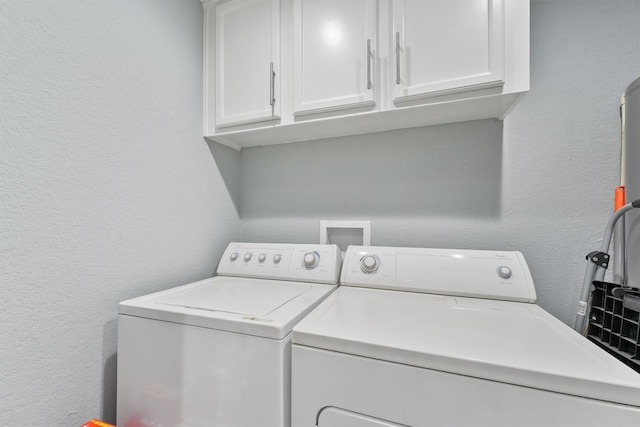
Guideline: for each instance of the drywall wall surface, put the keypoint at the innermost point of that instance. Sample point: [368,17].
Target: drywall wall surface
[540,182]
[448,170]
[108,190]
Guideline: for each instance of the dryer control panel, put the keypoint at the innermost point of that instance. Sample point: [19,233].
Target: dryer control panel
[502,275]
[296,262]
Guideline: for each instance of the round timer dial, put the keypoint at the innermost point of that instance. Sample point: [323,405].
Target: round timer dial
[311,260]
[369,264]
[504,272]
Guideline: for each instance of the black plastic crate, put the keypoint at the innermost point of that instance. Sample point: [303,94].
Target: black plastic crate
[614,324]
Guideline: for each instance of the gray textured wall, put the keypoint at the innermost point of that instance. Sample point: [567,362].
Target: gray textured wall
[107,188]
[540,182]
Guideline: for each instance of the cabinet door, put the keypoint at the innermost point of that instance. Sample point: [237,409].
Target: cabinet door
[446,46]
[334,47]
[247,61]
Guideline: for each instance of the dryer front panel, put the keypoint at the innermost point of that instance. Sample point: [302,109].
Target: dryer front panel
[403,395]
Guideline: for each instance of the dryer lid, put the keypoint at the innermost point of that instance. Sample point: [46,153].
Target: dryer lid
[510,342]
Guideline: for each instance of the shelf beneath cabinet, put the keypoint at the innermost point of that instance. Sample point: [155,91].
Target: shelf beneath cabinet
[486,107]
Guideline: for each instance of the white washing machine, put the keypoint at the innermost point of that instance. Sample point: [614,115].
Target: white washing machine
[433,337]
[218,352]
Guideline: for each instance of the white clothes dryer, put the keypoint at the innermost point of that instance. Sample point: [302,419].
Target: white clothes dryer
[434,337]
[218,352]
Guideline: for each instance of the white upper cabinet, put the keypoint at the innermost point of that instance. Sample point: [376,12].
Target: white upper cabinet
[334,50]
[247,61]
[281,71]
[441,47]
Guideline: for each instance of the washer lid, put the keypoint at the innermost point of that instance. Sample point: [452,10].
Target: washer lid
[265,308]
[510,342]
[248,297]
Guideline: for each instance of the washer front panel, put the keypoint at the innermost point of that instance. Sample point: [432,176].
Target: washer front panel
[179,375]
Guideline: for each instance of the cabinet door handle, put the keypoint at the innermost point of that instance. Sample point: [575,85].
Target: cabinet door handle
[397,58]
[369,84]
[272,78]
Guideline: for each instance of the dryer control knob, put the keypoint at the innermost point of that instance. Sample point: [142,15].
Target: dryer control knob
[504,272]
[311,260]
[261,258]
[247,257]
[369,264]
[233,256]
[277,258]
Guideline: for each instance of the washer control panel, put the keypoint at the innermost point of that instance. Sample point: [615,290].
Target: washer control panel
[500,275]
[299,262]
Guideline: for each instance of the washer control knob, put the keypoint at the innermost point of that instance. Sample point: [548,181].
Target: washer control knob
[261,258]
[311,260]
[277,258]
[504,272]
[369,264]
[248,256]
[233,256]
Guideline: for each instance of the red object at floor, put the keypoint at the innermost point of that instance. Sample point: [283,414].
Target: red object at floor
[97,423]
